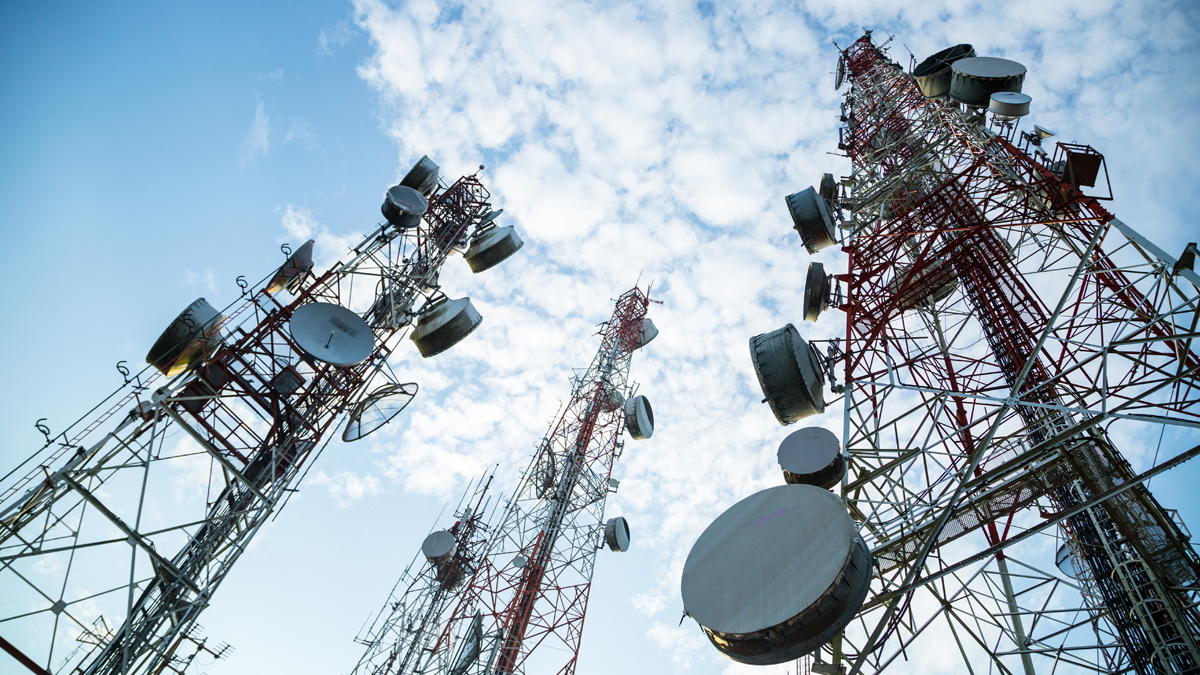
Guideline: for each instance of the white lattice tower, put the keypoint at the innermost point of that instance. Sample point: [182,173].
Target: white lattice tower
[87,540]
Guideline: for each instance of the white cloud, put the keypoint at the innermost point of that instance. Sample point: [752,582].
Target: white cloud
[258,138]
[297,222]
[626,139]
[299,130]
[345,487]
[299,226]
[332,37]
[649,603]
[204,280]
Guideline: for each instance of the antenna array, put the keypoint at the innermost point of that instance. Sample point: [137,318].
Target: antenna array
[139,510]
[522,606]
[1003,330]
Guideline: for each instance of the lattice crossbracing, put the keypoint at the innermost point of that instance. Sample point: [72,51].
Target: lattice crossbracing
[522,606]
[533,611]
[399,638]
[134,515]
[1002,328]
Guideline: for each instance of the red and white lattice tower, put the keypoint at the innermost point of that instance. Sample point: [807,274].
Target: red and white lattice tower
[109,551]
[1003,333]
[523,608]
[1003,330]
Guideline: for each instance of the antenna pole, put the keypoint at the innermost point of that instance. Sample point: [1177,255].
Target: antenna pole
[531,590]
[254,405]
[991,314]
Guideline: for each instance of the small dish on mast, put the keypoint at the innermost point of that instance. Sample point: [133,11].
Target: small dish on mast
[812,456]
[443,324]
[491,245]
[292,273]
[332,333]
[403,206]
[818,289]
[423,177]
[616,534]
[192,338]
[377,409]
[490,216]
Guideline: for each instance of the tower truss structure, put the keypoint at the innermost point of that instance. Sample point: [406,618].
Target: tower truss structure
[134,515]
[523,608]
[399,638]
[1004,335]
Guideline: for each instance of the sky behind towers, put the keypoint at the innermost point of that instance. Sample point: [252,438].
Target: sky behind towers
[150,155]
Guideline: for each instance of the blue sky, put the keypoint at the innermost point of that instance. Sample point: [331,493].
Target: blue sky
[151,154]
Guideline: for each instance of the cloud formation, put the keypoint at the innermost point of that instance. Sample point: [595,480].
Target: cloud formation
[659,140]
[332,37]
[258,139]
[346,487]
[299,131]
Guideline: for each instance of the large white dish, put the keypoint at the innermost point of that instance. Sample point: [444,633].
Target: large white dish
[332,333]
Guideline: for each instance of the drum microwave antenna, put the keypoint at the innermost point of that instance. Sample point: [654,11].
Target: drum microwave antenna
[521,608]
[987,299]
[256,389]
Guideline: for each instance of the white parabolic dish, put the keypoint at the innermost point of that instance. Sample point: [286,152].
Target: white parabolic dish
[439,547]
[332,333]
[767,559]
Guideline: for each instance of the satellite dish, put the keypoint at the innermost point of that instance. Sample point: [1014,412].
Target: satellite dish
[377,409]
[404,206]
[332,333]
[439,547]
[491,246]
[777,575]
[812,220]
[818,287]
[639,418]
[423,177]
[293,271]
[1009,104]
[973,80]
[646,333]
[1066,562]
[1042,132]
[841,73]
[812,456]
[616,534]
[790,374]
[445,324]
[490,216]
[933,74]
[472,646]
[193,337]
[828,188]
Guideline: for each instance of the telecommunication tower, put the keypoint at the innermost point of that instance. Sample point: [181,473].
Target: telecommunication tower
[528,590]
[1004,332]
[138,511]
[398,639]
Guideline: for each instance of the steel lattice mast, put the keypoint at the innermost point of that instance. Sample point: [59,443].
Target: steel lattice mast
[399,638]
[106,521]
[530,593]
[1002,328]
